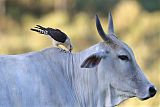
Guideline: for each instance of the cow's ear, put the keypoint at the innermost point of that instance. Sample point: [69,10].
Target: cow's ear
[93,60]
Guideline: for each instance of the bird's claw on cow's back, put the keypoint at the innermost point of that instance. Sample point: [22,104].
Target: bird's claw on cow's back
[62,50]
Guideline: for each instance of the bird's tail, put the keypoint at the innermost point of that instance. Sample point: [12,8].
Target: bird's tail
[40,29]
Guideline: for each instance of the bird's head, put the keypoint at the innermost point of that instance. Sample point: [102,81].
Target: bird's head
[68,44]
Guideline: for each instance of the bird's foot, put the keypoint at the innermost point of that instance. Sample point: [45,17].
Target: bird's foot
[62,50]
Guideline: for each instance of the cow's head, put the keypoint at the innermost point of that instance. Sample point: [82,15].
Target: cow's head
[117,65]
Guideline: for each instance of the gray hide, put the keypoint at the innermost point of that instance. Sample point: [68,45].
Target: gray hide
[100,76]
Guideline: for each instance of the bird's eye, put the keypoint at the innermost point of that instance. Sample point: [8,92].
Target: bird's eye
[123,57]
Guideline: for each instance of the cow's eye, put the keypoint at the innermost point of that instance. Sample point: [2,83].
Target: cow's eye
[123,57]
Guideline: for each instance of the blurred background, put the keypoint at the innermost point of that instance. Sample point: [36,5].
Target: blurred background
[137,22]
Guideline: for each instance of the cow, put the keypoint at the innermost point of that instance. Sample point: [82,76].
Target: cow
[103,75]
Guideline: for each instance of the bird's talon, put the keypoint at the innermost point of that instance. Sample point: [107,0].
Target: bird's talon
[62,50]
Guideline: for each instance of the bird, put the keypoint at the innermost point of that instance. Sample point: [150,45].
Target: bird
[59,37]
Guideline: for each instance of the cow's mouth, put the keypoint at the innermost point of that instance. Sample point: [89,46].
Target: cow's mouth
[142,99]
[145,98]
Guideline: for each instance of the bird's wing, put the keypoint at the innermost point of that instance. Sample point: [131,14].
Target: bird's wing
[57,35]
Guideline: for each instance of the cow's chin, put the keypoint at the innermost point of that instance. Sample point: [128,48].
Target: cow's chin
[142,98]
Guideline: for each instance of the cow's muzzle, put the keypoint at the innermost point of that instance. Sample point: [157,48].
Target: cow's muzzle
[152,91]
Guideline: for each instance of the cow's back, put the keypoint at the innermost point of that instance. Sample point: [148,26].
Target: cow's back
[34,80]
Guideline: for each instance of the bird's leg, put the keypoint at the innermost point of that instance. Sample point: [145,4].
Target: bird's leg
[62,50]
[57,45]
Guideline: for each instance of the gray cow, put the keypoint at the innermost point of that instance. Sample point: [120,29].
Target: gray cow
[103,75]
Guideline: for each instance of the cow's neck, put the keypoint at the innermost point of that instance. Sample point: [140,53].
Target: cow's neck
[85,82]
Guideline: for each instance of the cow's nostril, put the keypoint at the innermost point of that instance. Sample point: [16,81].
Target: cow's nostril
[152,91]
